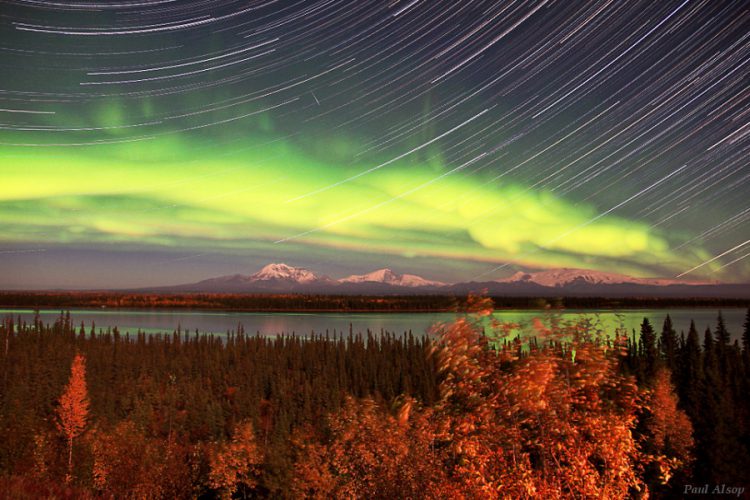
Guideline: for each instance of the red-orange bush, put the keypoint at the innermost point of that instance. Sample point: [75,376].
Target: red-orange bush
[129,464]
[668,431]
[370,453]
[553,421]
[237,463]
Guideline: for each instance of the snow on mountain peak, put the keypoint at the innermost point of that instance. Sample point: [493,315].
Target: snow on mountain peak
[568,276]
[278,277]
[284,272]
[390,278]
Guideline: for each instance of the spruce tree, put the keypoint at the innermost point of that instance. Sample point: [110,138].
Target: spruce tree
[721,458]
[722,348]
[722,334]
[691,373]
[648,350]
[668,344]
[708,344]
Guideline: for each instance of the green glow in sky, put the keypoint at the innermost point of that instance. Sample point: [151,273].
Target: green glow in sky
[152,194]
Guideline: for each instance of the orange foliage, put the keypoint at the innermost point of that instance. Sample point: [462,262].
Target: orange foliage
[128,464]
[669,432]
[73,408]
[545,424]
[236,463]
[313,477]
[370,454]
[550,423]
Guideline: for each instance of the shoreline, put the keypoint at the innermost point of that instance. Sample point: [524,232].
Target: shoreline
[198,310]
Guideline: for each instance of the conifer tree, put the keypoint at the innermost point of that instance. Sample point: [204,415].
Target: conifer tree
[722,348]
[722,334]
[691,372]
[708,344]
[668,344]
[649,350]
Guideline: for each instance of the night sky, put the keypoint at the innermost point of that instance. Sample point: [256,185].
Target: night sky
[147,142]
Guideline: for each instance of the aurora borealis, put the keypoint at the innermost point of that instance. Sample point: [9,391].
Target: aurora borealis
[154,142]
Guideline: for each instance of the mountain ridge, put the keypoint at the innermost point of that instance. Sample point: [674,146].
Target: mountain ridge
[565,276]
[283,278]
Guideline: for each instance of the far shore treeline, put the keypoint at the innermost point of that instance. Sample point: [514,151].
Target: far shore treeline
[337,303]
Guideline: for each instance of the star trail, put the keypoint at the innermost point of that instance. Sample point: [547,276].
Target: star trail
[156,142]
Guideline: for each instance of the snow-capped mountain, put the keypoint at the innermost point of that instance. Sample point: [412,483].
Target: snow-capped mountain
[279,277]
[275,277]
[390,278]
[285,272]
[283,278]
[565,277]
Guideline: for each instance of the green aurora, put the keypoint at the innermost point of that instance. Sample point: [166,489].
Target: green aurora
[251,200]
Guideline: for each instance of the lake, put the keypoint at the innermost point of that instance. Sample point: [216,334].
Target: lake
[219,322]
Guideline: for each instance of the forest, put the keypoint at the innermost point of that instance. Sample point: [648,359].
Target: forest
[466,412]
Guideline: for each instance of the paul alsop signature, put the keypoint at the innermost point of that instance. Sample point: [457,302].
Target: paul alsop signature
[713,489]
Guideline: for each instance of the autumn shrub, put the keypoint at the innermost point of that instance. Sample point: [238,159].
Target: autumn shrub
[127,463]
[236,464]
[666,432]
[553,421]
[369,452]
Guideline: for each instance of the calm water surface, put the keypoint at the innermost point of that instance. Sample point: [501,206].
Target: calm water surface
[218,322]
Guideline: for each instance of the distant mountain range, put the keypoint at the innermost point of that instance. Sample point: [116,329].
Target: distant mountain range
[282,278]
[566,277]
